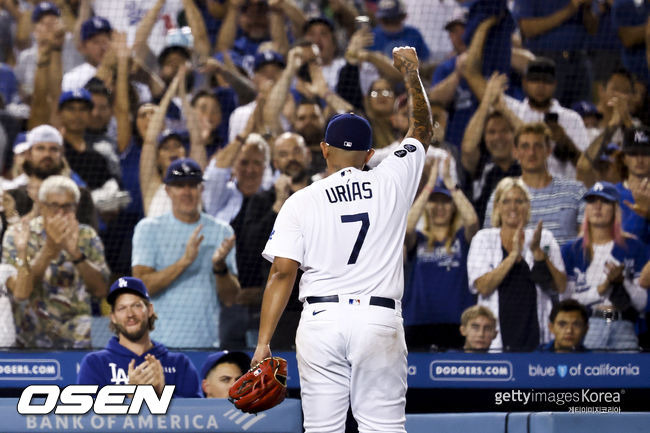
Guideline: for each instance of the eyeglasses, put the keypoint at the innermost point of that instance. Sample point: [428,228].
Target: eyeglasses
[65,207]
[385,93]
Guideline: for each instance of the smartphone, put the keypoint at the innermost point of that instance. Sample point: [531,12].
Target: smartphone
[362,22]
[550,117]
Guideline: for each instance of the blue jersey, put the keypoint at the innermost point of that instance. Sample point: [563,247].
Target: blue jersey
[110,366]
[437,291]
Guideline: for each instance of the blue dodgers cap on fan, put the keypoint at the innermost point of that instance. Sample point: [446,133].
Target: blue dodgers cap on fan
[604,190]
[127,285]
[95,26]
[586,108]
[242,360]
[76,95]
[172,133]
[183,170]
[349,131]
[390,9]
[440,188]
[44,8]
[267,57]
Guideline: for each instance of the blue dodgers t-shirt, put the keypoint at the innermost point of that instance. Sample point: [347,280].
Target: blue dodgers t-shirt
[627,13]
[570,35]
[188,309]
[462,107]
[437,290]
[631,221]
[408,36]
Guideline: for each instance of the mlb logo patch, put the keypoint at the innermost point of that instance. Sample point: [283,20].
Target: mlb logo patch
[354,301]
[347,143]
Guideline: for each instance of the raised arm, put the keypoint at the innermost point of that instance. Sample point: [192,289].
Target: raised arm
[472,68]
[121,104]
[278,30]
[531,27]
[228,29]
[464,208]
[199,33]
[280,90]
[198,136]
[143,30]
[406,61]
[149,177]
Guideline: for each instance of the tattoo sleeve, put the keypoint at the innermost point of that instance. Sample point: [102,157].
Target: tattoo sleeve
[420,121]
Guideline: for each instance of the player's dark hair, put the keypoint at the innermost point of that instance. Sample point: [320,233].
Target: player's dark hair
[569,305]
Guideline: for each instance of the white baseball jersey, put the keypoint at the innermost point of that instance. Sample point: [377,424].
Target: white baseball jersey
[347,230]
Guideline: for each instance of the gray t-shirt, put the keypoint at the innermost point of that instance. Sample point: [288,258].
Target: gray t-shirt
[559,206]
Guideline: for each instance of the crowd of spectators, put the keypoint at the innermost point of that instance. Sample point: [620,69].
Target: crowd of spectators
[160,138]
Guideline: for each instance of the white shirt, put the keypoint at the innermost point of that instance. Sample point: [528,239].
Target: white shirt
[347,230]
[160,203]
[485,255]
[568,119]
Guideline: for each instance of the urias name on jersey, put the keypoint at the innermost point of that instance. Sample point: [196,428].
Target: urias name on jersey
[349,192]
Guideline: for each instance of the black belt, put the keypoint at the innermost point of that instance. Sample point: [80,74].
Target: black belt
[374,300]
[609,315]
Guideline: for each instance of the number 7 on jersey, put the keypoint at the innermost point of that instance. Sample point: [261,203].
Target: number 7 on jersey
[365,223]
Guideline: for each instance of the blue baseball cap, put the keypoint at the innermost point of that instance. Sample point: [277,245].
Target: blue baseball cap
[267,57]
[44,8]
[127,285]
[440,188]
[95,26]
[606,156]
[242,360]
[76,95]
[390,9]
[586,108]
[604,190]
[172,133]
[183,170]
[349,132]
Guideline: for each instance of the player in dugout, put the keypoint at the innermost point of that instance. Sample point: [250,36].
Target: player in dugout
[131,357]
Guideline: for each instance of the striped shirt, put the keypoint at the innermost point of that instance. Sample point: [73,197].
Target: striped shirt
[559,206]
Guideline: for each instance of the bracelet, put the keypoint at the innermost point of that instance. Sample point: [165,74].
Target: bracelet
[221,272]
[81,258]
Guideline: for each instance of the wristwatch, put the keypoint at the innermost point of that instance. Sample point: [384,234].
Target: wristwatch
[22,263]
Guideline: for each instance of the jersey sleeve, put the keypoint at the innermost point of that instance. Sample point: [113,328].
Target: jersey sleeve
[404,167]
[189,385]
[286,239]
[88,373]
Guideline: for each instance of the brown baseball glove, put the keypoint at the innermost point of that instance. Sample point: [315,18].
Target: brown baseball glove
[262,387]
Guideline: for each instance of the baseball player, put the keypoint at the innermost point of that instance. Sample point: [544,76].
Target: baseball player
[346,233]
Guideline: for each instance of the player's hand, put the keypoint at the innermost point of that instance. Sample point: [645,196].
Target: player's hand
[192,247]
[262,351]
[220,254]
[143,374]
[405,59]
[158,373]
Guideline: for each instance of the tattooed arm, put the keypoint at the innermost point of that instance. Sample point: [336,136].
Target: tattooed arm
[405,60]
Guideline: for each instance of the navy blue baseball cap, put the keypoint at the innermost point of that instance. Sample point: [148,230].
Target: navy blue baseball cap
[440,188]
[242,360]
[172,133]
[127,285]
[95,26]
[604,190]
[586,108]
[268,57]
[44,8]
[76,95]
[390,9]
[183,170]
[349,132]
[636,140]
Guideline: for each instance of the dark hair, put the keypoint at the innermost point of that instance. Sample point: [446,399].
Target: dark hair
[625,73]
[240,359]
[203,93]
[97,87]
[569,305]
